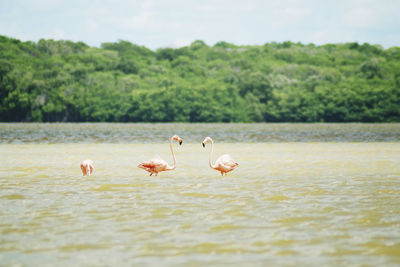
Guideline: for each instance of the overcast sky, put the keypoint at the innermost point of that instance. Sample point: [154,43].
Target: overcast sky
[176,23]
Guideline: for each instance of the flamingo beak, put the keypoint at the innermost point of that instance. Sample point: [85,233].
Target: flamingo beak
[180,141]
[204,145]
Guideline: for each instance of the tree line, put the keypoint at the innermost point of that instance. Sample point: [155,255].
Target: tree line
[65,81]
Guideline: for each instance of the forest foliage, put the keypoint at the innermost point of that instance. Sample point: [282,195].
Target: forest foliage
[53,81]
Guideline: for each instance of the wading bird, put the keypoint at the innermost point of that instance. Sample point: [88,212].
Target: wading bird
[157,164]
[224,163]
[87,167]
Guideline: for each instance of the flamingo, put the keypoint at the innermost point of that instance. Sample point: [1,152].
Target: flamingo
[87,167]
[224,163]
[157,164]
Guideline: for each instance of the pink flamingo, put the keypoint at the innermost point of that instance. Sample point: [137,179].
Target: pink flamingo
[87,167]
[224,163]
[157,164]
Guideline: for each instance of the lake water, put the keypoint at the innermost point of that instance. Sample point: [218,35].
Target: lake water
[304,194]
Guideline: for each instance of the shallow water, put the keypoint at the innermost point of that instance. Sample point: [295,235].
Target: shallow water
[16,133]
[330,203]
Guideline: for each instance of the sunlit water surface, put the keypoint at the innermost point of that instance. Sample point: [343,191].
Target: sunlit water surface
[310,201]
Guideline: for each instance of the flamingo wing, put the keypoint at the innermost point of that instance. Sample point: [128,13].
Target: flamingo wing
[149,164]
[154,164]
[226,162]
[157,160]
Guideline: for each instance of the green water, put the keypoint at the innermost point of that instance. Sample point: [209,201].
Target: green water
[293,202]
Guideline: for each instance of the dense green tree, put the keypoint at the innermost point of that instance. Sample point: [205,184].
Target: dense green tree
[52,80]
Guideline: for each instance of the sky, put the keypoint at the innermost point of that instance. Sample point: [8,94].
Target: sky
[177,23]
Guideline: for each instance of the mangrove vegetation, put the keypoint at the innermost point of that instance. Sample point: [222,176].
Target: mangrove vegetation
[65,81]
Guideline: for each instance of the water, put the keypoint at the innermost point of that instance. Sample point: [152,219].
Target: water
[316,195]
[123,133]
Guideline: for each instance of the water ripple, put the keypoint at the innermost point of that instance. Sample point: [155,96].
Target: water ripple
[194,133]
[316,203]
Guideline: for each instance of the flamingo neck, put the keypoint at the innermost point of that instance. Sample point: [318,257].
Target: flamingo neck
[173,156]
[210,155]
[88,169]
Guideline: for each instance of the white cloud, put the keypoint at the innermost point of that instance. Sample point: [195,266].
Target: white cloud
[92,25]
[179,22]
[41,4]
[281,15]
[58,34]
[180,43]
[145,18]
[330,36]
[361,17]
[370,14]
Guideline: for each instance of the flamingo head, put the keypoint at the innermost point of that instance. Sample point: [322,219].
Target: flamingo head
[177,138]
[207,139]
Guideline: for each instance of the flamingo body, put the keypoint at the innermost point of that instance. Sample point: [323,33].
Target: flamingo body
[157,164]
[224,163]
[87,167]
